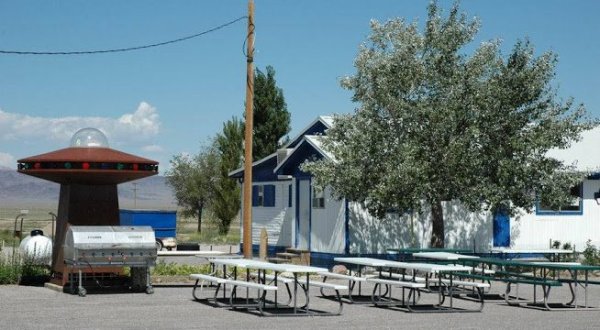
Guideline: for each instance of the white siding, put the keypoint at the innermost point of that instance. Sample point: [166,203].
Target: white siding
[327,226]
[466,230]
[529,231]
[463,230]
[277,220]
[368,234]
[303,220]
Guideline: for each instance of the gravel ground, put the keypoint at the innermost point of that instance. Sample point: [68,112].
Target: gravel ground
[173,307]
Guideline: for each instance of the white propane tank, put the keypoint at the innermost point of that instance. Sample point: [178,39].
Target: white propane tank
[37,248]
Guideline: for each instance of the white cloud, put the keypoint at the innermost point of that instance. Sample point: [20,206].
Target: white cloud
[583,154]
[138,126]
[7,160]
[152,148]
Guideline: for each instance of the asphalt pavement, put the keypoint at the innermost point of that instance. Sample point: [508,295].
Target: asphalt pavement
[23,307]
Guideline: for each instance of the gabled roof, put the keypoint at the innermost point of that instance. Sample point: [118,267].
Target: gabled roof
[317,126]
[236,173]
[314,141]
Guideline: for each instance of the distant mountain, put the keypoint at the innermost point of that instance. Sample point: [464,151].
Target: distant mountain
[20,190]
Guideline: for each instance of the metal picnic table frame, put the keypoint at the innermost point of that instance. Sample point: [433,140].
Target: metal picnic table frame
[547,275]
[262,267]
[440,270]
[509,253]
[402,252]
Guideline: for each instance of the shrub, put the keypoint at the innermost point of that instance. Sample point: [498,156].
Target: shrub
[164,268]
[591,255]
[15,267]
[9,271]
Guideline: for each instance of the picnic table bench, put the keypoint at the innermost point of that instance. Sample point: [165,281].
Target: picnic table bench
[272,279]
[220,281]
[380,299]
[409,282]
[537,274]
[352,280]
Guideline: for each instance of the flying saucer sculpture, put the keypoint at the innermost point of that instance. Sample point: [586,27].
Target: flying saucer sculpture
[88,172]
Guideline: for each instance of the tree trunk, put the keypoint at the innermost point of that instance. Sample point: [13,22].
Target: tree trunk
[437,225]
[200,207]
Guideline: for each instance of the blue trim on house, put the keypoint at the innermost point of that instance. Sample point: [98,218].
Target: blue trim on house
[318,128]
[557,212]
[297,212]
[272,250]
[261,172]
[309,212]
[346,227]
[291,166]
[594,176]
[264,171]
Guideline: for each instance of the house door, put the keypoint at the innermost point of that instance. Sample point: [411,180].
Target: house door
[303,214]
[501,228]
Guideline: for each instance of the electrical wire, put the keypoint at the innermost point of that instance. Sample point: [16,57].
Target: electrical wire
[126,49]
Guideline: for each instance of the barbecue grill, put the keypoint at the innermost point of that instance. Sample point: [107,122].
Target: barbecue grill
[88,247]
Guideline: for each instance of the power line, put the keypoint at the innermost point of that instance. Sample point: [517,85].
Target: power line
[126,49]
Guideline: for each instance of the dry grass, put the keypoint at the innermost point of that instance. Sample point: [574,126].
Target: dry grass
[186,227]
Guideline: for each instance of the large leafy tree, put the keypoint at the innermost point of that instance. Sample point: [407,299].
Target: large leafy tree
[193,179]
[271,117]
[435,124]
[229,146]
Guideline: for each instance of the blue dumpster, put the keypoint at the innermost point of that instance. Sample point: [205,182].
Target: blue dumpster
[163,222]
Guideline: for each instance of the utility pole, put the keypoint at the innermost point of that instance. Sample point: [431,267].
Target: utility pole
[247,191]
[135,195]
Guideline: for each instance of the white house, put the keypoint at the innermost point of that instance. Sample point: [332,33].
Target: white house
[297,214]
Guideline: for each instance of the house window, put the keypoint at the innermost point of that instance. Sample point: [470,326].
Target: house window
[290,195]
[318,198]
[575,207]
[263,195]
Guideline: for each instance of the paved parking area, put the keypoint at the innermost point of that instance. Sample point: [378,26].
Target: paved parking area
[174,308]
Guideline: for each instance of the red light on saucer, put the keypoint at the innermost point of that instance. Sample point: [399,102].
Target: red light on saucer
[85,166]
[135,167]
[37,166]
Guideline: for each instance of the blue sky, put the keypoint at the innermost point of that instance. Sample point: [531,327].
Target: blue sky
[163,101]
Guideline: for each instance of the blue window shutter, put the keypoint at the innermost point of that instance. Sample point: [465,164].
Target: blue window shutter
[270,195]
[255,196]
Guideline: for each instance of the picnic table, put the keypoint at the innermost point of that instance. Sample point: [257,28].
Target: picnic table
[508,253]
[301,280]
[416,250]
[543,274]
[446,284]
[443,255]
[403,252]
